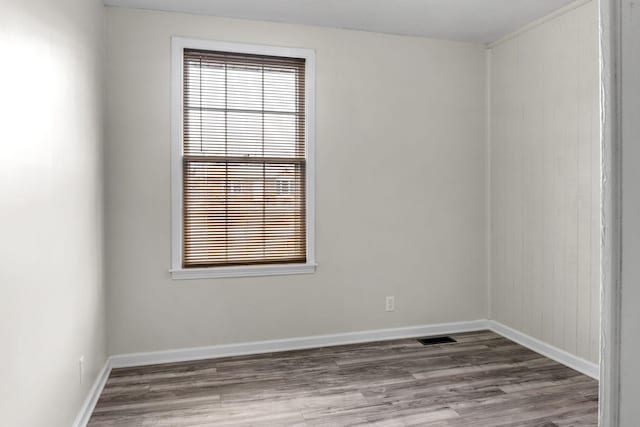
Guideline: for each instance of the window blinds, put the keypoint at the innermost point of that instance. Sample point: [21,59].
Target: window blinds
[244,159]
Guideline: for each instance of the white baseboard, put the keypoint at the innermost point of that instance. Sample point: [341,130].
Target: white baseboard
[199,353]
[574,362]
[94,394]
[271,346]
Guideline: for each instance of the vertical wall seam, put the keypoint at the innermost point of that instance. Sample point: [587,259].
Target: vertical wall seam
[489,209]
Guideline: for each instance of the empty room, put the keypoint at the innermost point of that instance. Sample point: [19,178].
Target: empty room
[319,213]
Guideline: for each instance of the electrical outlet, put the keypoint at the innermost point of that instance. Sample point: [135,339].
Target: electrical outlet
[390,304]
[81,366]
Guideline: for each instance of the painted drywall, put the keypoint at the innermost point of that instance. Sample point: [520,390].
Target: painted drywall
[545,182]
[51,275]
[629,75]
[400,182]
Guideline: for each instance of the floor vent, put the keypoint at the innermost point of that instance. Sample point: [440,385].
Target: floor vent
[436,340]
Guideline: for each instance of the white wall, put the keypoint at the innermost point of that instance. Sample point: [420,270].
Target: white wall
[630,209]
[51,275]
[400,189]
[545,182]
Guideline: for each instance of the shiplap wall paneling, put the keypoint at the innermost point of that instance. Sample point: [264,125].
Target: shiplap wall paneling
[544,182]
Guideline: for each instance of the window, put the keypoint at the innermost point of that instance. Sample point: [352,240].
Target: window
[242,173]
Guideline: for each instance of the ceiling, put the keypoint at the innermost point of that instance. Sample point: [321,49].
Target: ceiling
[475,21]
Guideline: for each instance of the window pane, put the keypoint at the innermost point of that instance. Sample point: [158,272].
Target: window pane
[204,132]
[244,133]
[280,90]
[204,85]
[280,137]
[244,88]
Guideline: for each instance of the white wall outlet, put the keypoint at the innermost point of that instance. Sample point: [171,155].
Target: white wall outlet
[390,304]
[81,366]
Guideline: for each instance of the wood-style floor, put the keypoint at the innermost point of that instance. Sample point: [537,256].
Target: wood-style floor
[483,380]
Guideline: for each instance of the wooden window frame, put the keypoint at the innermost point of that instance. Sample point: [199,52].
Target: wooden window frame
[178,45]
